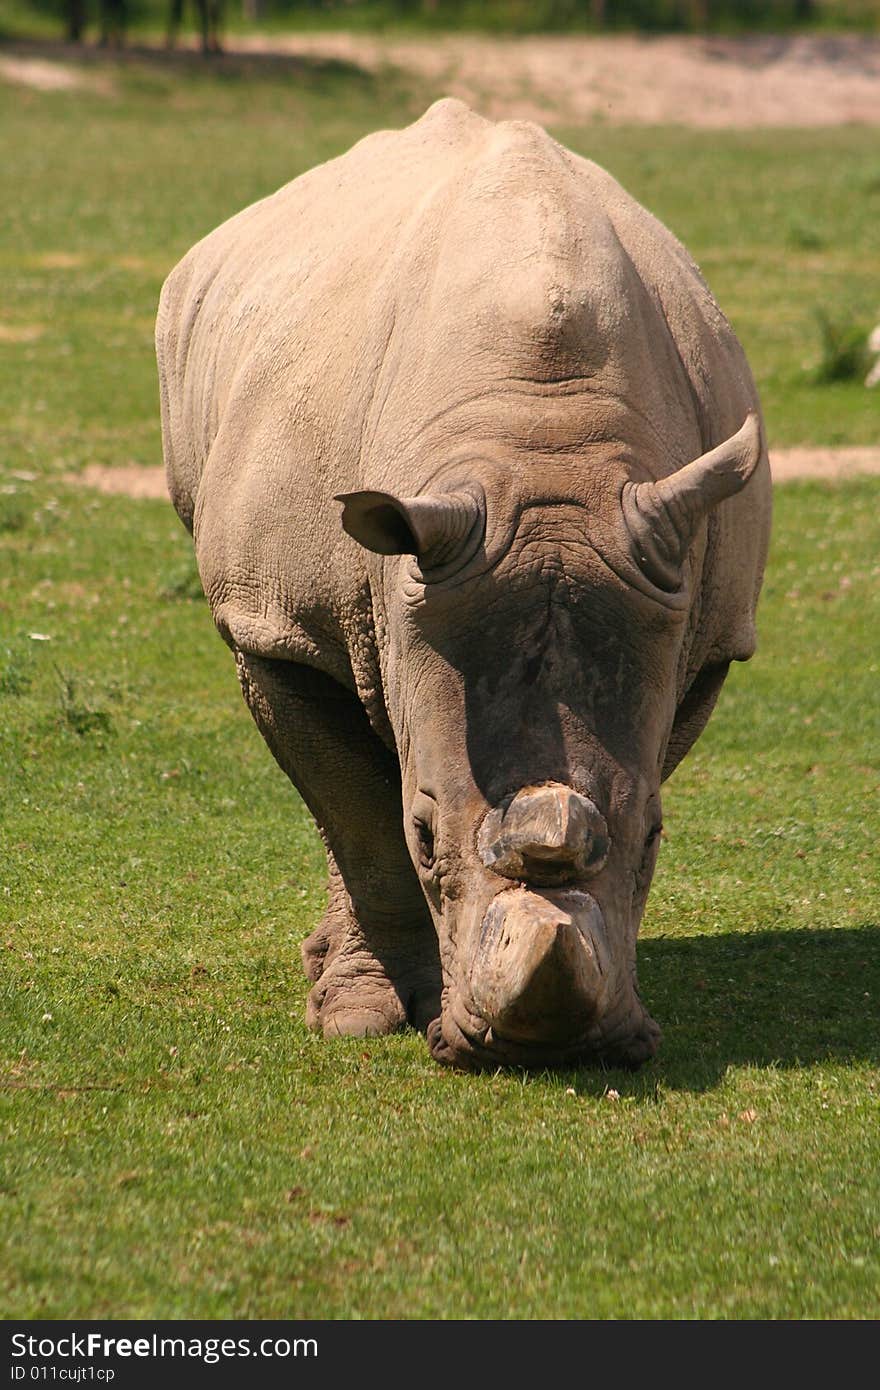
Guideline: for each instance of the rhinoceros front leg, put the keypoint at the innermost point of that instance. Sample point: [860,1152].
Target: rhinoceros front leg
[373,957]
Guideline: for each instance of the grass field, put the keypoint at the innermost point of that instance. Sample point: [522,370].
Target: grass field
[176,1143]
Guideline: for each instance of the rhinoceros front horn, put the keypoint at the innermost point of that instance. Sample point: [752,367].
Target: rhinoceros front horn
[438,528]
[662,517]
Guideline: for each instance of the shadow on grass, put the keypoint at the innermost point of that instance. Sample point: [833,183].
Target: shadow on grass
[772,1000]
[190,62]
[764,999]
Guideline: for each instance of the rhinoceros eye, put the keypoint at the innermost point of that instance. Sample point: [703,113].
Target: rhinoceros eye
[425,839]
[650,845]
[423,821]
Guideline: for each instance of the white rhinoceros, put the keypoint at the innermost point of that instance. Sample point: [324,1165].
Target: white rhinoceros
[555,512]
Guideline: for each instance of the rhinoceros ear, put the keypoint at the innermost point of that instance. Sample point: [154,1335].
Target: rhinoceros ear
[436,527]
[662,517]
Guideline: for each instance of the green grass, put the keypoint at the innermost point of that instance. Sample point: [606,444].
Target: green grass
[844,354]
[176,1143]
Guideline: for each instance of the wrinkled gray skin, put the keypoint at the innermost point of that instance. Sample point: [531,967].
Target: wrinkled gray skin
[480,662]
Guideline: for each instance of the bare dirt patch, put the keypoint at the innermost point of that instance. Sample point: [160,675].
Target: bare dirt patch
[833,464]
[692,80]
[130,480]
[803,80]
[46,76]
[60,260]
[786,465]
[20,332]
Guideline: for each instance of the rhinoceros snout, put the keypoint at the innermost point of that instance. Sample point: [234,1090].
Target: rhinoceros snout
[540,972]
[546,835]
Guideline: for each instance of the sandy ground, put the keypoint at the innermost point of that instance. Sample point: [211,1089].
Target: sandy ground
[707,82]
[47,75]
[713,82]
[785,464]
[836,464]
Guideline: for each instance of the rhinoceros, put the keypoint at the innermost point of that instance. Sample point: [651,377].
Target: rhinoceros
[476,475]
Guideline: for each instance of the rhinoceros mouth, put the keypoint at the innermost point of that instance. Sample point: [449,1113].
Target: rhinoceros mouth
[540,987]
[458,1038]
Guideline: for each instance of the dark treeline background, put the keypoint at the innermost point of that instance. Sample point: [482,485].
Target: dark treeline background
[115,17]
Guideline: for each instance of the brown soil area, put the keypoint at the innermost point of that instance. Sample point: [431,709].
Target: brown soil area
[835,464]
[129,480]
[803,80]
[46,75]
[714,82]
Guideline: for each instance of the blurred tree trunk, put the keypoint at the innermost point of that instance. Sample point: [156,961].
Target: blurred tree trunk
[598,12]
[76,19]
[692,14]
[114,17]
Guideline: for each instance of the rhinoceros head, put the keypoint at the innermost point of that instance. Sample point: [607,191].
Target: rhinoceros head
[534,636]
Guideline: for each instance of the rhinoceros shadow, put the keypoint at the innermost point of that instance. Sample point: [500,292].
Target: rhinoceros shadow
[783,998]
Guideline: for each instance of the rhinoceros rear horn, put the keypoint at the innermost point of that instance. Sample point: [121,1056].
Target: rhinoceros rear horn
[438,528]
[662,517]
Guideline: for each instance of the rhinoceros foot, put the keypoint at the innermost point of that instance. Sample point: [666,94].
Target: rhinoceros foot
[353,999]
[352,995]
[356,997]
[370,976]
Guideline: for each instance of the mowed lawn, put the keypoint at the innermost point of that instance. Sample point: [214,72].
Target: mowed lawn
[175,1142]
